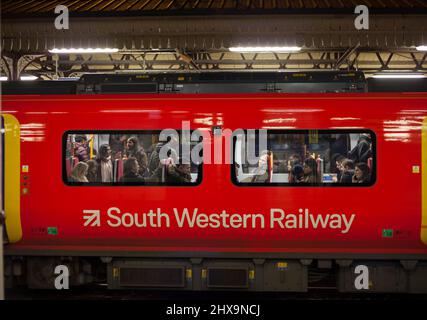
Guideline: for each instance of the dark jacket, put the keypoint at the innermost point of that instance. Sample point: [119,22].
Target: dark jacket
[132,177]
[362,151]
[172,175]
[139,154]
[141,157]
[154,162]
[347,176]
[92,177]
[176,176]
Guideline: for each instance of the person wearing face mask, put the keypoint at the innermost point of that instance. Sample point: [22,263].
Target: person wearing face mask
[105,165]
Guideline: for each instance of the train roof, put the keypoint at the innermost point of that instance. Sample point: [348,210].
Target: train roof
[217,82]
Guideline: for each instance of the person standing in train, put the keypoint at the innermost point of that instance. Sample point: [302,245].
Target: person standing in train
[310,171]
[105,165]
[362,151]
[81,149]
[117,144]
[91,174]
[135,150]
[179,173]
[130,171]
[348,171]
[154,162]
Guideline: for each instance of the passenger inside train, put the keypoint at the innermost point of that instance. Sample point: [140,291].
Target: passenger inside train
[125,158]
[309,157]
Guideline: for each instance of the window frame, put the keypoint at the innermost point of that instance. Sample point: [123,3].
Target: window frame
[120,184]
[312,185]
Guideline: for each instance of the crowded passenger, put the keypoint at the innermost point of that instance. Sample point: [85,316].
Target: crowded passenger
[297,174]
[105,164]
[347,171]
[81,148]
[362,151]
[135,150]
[339,166]
[131,171]
[92,171]
[154,161]
[361,173]
[78,174]
[294,159]
[336,162]
[106,168]
[117,144]
[310,171]
[338,145]
[180,173]
[261,173]
[170,172]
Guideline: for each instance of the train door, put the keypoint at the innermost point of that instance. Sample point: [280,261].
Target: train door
[10,176]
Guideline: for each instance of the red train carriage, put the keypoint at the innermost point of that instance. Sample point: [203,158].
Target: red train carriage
[223,225]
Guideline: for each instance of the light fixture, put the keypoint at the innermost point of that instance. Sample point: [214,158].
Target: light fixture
[28,78]
[421,48]
[3,78]
[265,49]
[84,50]
[398,76]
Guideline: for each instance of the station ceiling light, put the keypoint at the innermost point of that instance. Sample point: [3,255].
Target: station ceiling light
[28,78]
[265,49]
[84,50]
[23,78]
[399,76]
[422,48]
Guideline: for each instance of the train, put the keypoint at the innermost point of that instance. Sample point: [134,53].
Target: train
[340,183]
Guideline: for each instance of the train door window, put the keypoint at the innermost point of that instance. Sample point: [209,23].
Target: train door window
[306,158]
[128,158]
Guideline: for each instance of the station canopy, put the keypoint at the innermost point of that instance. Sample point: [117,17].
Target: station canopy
[198,34]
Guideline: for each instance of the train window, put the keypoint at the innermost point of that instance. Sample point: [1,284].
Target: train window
[128,158]
[306,158]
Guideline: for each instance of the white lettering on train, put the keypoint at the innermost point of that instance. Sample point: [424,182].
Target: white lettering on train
[194,218]
[306,220]
[153,219]
[216,220]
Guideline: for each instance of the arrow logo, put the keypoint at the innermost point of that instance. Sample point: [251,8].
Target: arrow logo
[92,217]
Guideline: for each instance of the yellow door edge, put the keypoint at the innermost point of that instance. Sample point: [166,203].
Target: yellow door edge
[424,182]
[12,181]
